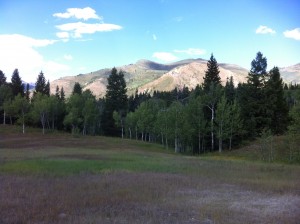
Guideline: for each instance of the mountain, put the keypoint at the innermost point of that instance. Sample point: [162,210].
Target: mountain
[291,73]
[149,76]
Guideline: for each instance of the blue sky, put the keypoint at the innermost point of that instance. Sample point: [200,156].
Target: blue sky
[64,37]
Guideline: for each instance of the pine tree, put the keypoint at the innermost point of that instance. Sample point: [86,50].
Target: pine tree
[40,85]
[57,92]
[253,98]
[258,72]
[211,74]
[47,89]
[77,89]
[62,94]
[116,100]
[276,106]
[27,93]
[16,84]
[2,78]
[230,90]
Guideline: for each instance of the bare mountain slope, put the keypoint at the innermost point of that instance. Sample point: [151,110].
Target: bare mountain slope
[291,73]
[190,75]
[149,76]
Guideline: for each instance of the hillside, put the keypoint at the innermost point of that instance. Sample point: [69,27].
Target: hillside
[149,76]
[291,73]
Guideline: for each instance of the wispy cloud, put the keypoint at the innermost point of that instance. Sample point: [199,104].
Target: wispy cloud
[77,29]
[264,30]
[19,51]
[192,51]
[78,13]
[294,34]
[164,56]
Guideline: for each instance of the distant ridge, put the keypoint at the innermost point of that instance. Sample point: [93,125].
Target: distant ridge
[146,75]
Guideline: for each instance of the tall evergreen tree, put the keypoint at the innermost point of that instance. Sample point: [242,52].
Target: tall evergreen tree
[77,89]
[2,78]
[62,94]
[27,93]
[253,98]
[16,84]
[57,92]
[230,90]
[47,88]
[276,106]
[211,74]
[40,85]
[258,72]
[116,100]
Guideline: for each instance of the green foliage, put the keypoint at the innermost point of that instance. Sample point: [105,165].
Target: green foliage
[2,78]
[90,113]
[223,121]
[16,84]
[77,89]
[41,86]
[74,112]
[20,107]
[258,72]
[211,74]
[276,106]
[115,100]
[41,109]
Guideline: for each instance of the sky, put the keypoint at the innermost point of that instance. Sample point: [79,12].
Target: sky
[71,37]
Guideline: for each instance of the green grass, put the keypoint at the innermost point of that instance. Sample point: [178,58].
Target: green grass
[56,178]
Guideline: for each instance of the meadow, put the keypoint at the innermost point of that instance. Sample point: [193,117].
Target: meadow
[59,178]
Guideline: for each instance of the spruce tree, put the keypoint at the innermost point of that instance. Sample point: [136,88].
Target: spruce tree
[2,78]
[258,72]
[116,100]
[211,74]
[47,88]
[77,89]
[41,86]
[16,84]
[230,90]
[57,92]
[276,106]
[62,94]
[253,98]
[27,93]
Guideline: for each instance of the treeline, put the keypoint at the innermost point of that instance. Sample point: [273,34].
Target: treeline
[213,117]
[207,118]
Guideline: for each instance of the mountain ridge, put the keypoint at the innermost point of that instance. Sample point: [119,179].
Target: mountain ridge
[150,76]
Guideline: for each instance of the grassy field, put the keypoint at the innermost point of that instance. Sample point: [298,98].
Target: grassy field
[56,178]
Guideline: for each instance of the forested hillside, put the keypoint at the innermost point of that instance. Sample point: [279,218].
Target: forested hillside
[215,115]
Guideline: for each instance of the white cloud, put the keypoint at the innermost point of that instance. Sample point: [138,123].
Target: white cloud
[192,51]
[78,13]
[18,51]
[77,29]
[164,56]
[68,57]
[294,34]
[264,30]
[63,35]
